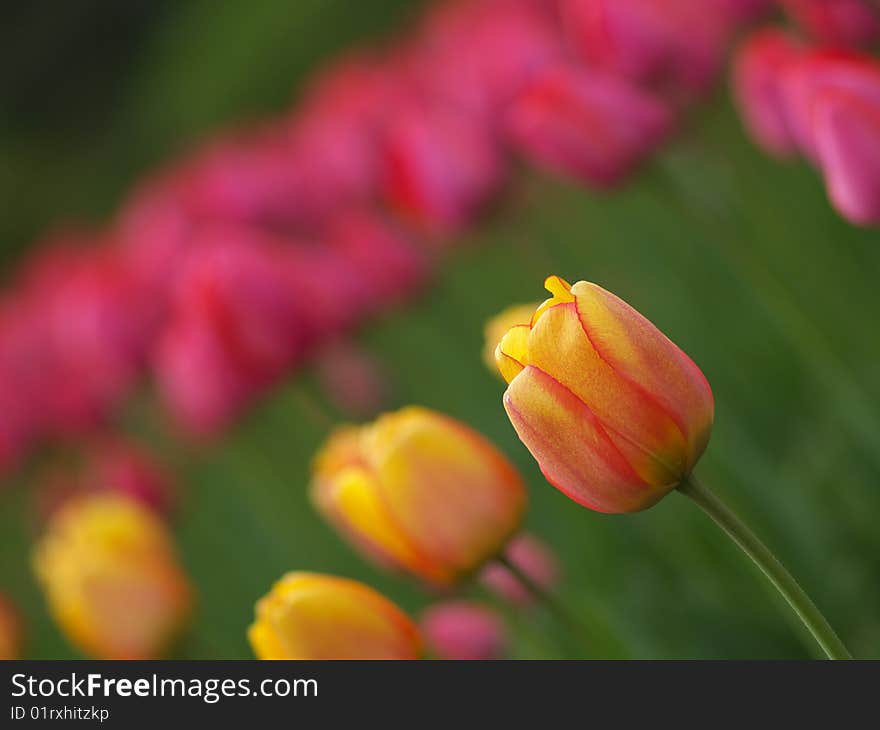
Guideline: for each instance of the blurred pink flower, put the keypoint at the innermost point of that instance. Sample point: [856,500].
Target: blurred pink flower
[819,71]
[672,45]
[757,77]
[846,133]
[587,125]
[236,325]
[476,55]
[839,23]
[441,167]
[389,265]
[120,466]
[534,558]
[463,630]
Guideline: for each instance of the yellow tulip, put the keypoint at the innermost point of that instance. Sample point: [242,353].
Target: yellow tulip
[614,413]
[313,616]
[497,327]
[109,571]
[420,492]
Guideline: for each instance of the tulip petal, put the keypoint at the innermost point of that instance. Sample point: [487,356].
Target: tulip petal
[311,616]
[572,448]
[633,419]
[643,355]
[359,511]
[448,489]
[846,132]
[512,353]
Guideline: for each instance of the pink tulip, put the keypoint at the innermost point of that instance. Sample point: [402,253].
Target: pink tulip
[674,45]
[477,55]
[462,630]
[236,325]
[532,557]
[441,167]
[839,23]
[389,266]
[583,124]
[820,71]
[757,88]
[846,133]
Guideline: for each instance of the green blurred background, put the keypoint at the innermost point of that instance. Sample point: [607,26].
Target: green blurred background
[736,257]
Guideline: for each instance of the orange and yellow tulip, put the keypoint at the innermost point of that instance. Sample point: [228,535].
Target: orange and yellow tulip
[615,414]
[420,492]
[313,616]
[109,571]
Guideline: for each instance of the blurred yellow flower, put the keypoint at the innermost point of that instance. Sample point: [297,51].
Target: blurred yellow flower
[497,327]
[420,492]
[314,616]
[111,577]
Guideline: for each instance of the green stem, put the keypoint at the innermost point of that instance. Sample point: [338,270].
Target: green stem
[552,604]
[769,565]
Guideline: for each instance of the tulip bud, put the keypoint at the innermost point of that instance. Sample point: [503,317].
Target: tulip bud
[11,630]
[498,325]
[588,125]
[314,616]
[757,77]
[672,45]
[111,578]
[441,167]
[463,630]
[420,492]
[833,103]
[533,558]
[614,413]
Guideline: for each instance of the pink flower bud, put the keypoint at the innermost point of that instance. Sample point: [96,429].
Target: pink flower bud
[532,557]
[756,83]
[820,71]
[593,127]
[463,630]
[670,44]
[840,23]
[121,467]
[846,132]
[441,167]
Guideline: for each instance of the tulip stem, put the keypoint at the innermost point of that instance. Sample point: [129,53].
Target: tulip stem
[737,530]
[547,599]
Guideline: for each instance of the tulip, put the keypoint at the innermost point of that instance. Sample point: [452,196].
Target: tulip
[496,327]
[587,125]
[314,616]
[11,630]
[815,73]
[532,558]
[846,131]
[833,102]
[757,88]
[419,492]
[111,578]
[441,167]
[671,45]
[615,414]
[463,630]
[840,23]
